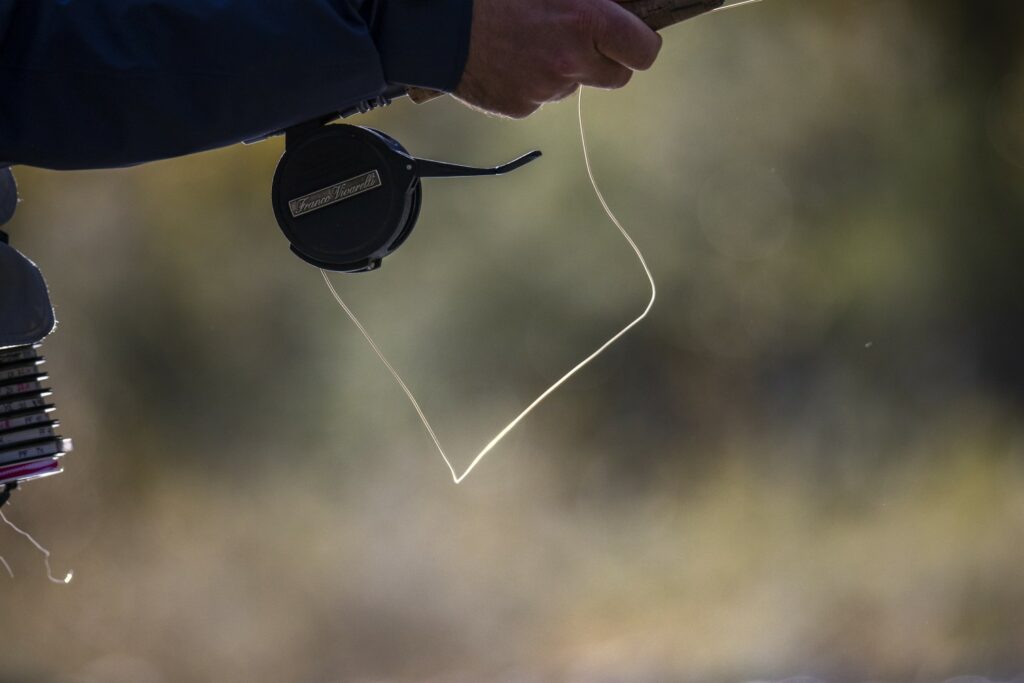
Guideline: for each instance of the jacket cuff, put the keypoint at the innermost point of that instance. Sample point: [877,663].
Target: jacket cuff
[424,43]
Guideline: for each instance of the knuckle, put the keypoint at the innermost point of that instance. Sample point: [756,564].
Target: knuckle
[564,92]
[521,110]
[567,92]
[525,113]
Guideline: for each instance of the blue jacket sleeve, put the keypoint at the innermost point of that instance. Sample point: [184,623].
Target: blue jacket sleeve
[101,83]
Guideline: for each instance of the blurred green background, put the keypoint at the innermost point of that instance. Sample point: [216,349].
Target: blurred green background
[808,462]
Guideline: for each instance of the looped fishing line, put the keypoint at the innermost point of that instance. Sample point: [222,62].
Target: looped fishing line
[456,477]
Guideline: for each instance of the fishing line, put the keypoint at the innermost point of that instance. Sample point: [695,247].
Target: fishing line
[46,553]
[734,5]
[456,477]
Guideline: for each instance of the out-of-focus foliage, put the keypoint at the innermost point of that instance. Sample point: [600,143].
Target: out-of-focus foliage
[809,460]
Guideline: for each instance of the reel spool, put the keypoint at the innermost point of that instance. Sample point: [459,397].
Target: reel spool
[347,196]
[30,447]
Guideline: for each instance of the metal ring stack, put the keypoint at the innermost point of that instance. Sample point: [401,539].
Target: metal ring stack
[30,447]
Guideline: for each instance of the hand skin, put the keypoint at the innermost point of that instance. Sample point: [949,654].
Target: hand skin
[524,53]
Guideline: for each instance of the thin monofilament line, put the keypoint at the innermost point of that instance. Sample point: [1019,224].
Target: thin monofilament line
[458,478]
[40,548]
[735,5]
[6,566]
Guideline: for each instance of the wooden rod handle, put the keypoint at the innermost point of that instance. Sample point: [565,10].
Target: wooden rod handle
[657,14]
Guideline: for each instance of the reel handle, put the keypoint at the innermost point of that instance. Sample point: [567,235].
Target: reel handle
[657,14]
[427,168]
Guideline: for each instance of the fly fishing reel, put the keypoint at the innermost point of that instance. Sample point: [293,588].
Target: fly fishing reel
[347,196]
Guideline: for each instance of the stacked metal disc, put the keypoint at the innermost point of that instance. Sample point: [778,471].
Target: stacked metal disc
[30,447]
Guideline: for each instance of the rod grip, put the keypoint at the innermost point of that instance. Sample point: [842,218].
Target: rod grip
[657,14]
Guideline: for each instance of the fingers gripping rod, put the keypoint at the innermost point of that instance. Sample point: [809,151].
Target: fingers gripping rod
[657,14]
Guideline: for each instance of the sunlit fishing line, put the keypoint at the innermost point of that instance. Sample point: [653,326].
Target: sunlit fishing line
[456,477]
[734,5]
[6,566]
[46,553]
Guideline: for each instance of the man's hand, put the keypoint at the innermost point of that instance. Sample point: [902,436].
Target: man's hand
[524,53]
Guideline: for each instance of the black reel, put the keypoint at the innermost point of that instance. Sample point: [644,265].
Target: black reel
[347,196]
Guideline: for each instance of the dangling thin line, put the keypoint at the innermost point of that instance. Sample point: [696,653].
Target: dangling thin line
[735,5]
[457,478]
[40,548]
[6,566]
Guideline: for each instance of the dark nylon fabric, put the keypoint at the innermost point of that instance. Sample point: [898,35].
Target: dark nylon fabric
[101,83]
[8,196]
